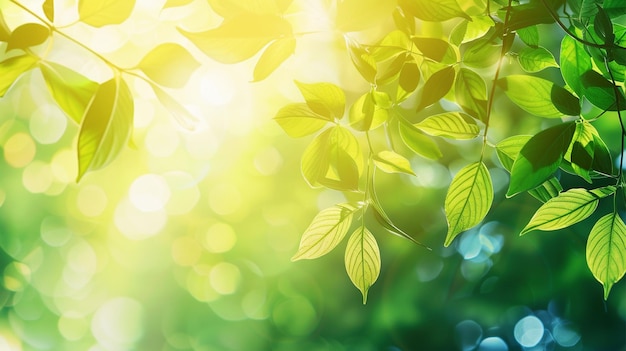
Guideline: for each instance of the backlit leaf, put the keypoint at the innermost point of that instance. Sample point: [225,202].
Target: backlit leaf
[568,208]
[12,68]
[574,62]
[48,9]
[601,92]
[363,61]
[419,143]
[529,35]
[540,96]
[453,125]
[468,199]
[106,127]
[181,114]
[71,90]
[471,93]
[540,158]
[5,33]
[362,260]
[100,13]
[241,37]
[325,232]
[27,35]
[436,87]
[391,162]
[581,150]
[481,53]
[408,79]
[435,11]
[325,99]
[168,64]
[536,59]
[602,161]
[356,15]
[435,49]
[273,56]
[367,113]
[606,251]
[298,120]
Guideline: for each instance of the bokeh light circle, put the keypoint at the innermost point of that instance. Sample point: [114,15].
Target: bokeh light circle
[528,331]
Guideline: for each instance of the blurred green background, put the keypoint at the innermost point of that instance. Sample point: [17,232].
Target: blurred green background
[184,242]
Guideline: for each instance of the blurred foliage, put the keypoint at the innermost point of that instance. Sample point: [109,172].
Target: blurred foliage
[150,199]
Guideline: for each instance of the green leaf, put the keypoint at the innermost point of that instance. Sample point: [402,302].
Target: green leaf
[384,220]
[481,53]
[536,59]
[508,150]
[471,93]
[435,49]
[274,55]
[71,90]
[574,62]
[529,14]
[434,11]
[48,9]
[530,36]
[568,208]
[98,13]
[362,260]
[27,35]
[168,64]
[602,161]
[12,68]
[370,14]
[391,162]
[540,96]
[601,92]
[334,160]
[581,150]
[453,125]
[419,143]
[183,117]
[363,61]
[614,8]
[298,120]
[241,37]
[367,113]
[468,199]
[606,255]
[436,87]
[176,3]
[325,99]
[106,127]
[408,79]
[325,232]
[540,158]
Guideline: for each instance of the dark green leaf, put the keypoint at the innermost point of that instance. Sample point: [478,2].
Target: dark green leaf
[273,56]
[100,13]
[106,127]
[71,90]
[601,92]
[540,96]
[528,14]
[580,153]
[241,37]
[27,35]
[602,161]
[614,8]
[540,158]
[436,87]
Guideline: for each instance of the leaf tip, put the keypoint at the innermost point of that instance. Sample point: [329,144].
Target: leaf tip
[607,289]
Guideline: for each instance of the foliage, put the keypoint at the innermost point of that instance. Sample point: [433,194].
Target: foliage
[426,85]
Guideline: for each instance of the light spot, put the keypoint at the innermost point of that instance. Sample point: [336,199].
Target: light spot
[19,150]
[72,327]
[268,161]
[493,343]
[225,278]
[186,251]
[184,192]
[64,166]
[144,112]
[108,39]
[91,200]
[37,177]
[161,140]
[565,334]
[47,124]
[149,193]
[468,335]
[224,199]
[216,87]
[528,331]
[220,238]
[118,323]
[136,224]
[199,286]
[54,231]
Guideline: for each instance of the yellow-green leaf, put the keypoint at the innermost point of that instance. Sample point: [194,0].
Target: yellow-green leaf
[435,49]
[468,199]
[568,208]
[363,61]
[48,9]
[436,87]
[606,251]
[421,144]
[106,127]
[71,90]
[12,68]
[391,162]
[325,232]
[298,120]
[241,37]
[356,15]
[325,99]
[100,13]
[27,35]
[540,96]
[367,113]
[471,93]
[176,3]
[273,56]
[453,125]
[435,11]
[233,8]
[183,117]
[169,64]
[536,59]
[362,260]
[5,33]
